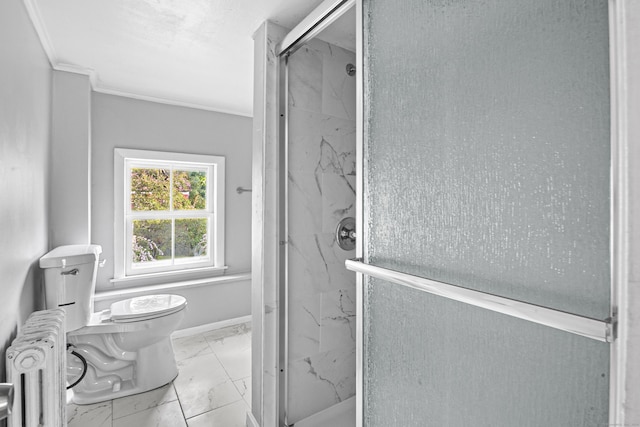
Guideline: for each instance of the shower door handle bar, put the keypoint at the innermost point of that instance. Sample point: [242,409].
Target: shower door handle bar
[587,327]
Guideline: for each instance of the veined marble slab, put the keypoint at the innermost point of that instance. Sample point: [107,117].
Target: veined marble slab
[319,381]
[321,192]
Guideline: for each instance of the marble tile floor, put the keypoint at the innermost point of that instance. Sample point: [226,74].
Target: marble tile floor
[212,389]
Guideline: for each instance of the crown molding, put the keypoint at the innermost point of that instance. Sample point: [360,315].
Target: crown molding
[167,101]
[76,69]
[36,19]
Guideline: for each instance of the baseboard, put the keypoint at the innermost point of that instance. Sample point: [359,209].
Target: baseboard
[251,421]
[210,327]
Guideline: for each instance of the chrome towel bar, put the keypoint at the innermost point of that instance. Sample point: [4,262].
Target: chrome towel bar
[591,328]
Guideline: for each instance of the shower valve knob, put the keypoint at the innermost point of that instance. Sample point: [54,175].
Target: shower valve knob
[346,234]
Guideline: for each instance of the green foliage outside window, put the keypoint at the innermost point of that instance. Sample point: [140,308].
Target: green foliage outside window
[150,192]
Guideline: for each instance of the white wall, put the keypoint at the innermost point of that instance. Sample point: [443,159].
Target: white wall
[25,107]
[264,277]
[129,123]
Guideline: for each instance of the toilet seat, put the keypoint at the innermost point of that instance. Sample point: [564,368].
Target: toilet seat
[146,307]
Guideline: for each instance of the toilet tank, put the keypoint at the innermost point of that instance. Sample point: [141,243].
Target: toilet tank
[70,280]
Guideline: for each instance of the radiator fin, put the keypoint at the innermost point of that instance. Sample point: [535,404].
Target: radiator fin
[36,365]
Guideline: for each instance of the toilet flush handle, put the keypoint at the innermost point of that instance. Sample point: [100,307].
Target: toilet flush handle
[73,272]
[102,262]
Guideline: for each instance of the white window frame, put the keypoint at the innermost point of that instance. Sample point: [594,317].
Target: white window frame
[124,159]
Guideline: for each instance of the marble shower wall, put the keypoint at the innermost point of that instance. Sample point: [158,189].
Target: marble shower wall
[321,185]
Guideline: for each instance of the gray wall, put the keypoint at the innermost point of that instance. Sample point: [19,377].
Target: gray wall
[128,123]
[25,110]
[70,159]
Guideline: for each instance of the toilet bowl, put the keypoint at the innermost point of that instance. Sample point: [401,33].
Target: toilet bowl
[126,354]
[117,352]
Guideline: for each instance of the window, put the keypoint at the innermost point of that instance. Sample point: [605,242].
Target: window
[169,212]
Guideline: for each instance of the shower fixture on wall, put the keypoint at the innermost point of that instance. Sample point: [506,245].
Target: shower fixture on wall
[351,69]
[346,233]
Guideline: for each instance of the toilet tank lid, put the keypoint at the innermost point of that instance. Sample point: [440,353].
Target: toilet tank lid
[70,255]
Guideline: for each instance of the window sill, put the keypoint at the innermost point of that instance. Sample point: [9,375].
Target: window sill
[109,296]
[167,276]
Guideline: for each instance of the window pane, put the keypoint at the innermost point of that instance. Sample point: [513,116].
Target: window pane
[149,189]
[191,237]
[151,240]
[189,189]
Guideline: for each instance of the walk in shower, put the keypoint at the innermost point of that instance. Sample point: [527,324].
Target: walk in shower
[481,165]
[317,181]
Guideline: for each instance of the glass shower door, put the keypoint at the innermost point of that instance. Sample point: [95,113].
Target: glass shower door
[486,166]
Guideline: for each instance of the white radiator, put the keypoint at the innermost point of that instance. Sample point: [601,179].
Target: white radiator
[36,365]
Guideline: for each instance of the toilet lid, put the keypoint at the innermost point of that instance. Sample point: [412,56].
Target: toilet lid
[146,307]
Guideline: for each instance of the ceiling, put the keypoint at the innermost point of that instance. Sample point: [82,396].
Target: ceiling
[197,53]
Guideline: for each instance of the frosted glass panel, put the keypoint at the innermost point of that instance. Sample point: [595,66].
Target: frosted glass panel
[488,146]
[437,362]
[486,166]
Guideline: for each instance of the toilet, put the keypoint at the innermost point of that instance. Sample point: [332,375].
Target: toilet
[117,352]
